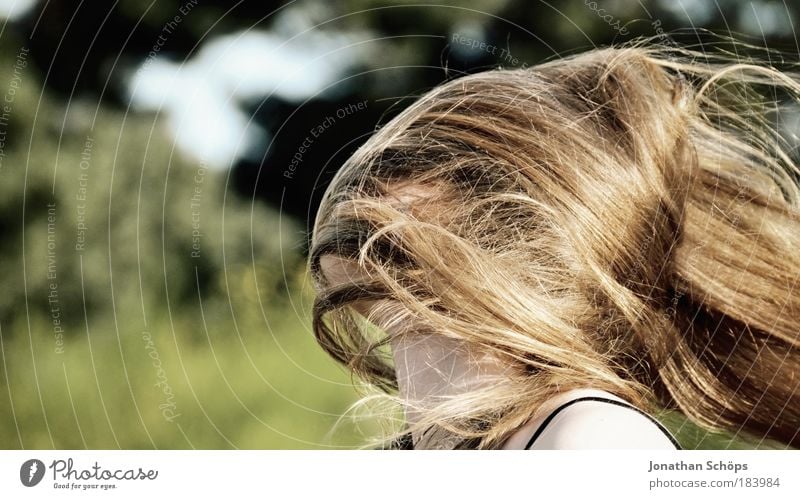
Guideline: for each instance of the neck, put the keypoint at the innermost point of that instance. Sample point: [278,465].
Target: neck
[431,369]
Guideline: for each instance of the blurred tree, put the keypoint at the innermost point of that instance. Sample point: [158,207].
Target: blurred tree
[128,218]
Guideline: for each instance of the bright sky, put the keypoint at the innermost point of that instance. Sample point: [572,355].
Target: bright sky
[11,9]
[202,97]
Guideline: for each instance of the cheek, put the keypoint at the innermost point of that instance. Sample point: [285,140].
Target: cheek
[429,366]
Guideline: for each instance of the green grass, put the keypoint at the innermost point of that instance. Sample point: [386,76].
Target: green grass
[266,386]
[691,436]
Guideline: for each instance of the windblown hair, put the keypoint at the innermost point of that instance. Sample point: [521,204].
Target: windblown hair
[626,219]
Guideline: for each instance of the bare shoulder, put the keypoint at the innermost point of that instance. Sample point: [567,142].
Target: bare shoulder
[601,424]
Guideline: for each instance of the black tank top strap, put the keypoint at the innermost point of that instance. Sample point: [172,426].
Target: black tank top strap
[563,406]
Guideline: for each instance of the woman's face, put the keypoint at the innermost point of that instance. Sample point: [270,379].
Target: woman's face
[428,367]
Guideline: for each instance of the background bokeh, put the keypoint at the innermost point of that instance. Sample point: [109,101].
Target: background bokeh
[161,162]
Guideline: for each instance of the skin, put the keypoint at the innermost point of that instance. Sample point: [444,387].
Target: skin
[427,366]
[589,425]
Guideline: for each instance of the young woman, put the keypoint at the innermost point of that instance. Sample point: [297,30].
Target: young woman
[543,257]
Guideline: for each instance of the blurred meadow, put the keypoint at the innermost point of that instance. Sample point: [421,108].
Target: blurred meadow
[160,168]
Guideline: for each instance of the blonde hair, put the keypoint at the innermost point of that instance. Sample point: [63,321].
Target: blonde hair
[626,219]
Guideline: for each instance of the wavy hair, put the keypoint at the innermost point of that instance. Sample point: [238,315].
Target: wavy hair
[626,218]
